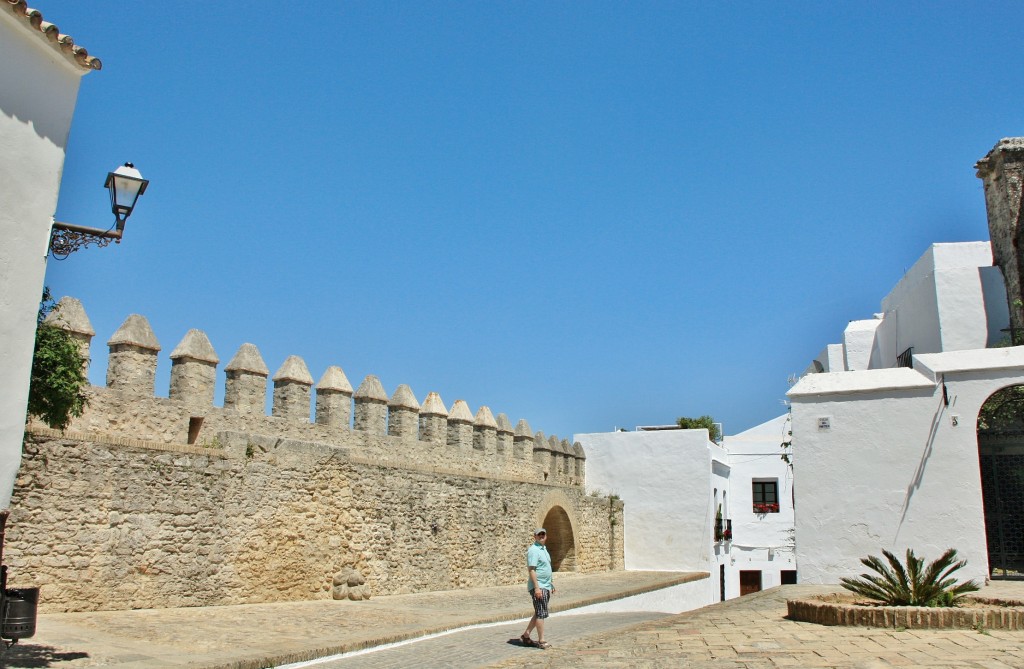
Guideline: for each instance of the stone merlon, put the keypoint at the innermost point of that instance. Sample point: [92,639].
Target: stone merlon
[195,345]
[433,406]
[460,412]
[294,369]
[248,359]
[334,379]
[484,418]
[69,315]
[503,424]
[371,390]
[404,399]
[523,429]
[135,331]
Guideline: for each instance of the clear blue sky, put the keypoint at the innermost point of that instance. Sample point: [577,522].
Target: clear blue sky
[587,215]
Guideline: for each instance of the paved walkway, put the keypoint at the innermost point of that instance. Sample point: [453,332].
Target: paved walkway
[752,633]
[260,635]
[746,633]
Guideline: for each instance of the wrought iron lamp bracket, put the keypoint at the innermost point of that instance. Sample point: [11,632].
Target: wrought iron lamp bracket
[66,238]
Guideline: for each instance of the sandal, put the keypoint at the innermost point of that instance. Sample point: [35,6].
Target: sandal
[543,645]
[526,640]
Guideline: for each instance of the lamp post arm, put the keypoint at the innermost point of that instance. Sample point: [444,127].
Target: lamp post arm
[66,238]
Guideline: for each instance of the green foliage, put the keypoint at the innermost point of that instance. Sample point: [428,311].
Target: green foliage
[1003,410]
[913,584]
[57,389]
[703,423]
[787,454]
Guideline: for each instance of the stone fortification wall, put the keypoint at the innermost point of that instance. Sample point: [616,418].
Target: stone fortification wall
[367,420]
[104,526]
[155,502]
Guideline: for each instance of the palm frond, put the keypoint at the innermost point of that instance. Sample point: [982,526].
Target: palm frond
[912,584]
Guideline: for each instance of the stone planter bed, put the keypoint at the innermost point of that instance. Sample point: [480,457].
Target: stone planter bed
[851,611]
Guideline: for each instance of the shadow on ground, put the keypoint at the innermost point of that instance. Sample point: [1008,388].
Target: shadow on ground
[31,655]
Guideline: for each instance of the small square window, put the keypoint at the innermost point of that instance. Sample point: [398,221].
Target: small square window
[766,496]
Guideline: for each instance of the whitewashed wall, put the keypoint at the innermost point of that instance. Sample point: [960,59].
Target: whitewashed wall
[892,470]
[942,301]
[997,311]
[663,478]
[859,344]
[38,90]
[951,299]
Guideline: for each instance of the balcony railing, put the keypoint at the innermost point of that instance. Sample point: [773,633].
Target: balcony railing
[905,359]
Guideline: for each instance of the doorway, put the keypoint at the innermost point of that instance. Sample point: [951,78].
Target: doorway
[1001,456]
[750,582]
[561,542]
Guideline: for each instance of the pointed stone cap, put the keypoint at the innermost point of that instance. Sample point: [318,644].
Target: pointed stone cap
[523,429]
[567,447]
[460,412]
[404,399]
[433,406]
[578,450]
[503,423]
[371,390]
[135,331]
[294,369]
[248,359]
[195,345]
[554,444]
[540,442]
[334,379]
[484,418]
[69,315]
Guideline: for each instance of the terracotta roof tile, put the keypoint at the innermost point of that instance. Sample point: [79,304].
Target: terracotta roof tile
[32,19]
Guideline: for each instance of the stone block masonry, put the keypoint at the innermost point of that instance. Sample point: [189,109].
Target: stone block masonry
[120,524]
[149,502]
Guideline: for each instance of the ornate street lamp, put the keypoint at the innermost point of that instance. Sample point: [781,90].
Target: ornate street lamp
[125,185]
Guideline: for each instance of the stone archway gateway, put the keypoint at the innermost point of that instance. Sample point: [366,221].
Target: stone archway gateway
[1001,455]
[561,542]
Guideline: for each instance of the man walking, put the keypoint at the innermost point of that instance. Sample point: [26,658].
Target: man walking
[538,581]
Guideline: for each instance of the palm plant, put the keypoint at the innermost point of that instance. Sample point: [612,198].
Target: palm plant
[913,585]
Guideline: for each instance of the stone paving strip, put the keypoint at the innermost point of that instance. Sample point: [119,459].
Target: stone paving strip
[259,635]
[752,633]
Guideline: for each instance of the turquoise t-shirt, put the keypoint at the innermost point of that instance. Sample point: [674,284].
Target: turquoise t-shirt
[537,556]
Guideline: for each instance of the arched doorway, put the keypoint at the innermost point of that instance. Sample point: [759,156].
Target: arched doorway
[1001,454]
[561,543]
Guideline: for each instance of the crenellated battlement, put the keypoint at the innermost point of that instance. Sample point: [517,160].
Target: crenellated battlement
[367,420]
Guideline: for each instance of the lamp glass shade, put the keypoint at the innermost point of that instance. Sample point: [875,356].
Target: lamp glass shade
[125,185]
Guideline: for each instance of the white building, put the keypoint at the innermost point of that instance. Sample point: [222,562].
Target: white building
[885,435]
[693,505]
[38,90]
[760,505]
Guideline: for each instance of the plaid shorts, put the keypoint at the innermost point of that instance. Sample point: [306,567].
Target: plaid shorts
[540,606]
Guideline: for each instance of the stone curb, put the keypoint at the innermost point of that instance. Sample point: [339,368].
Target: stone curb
[1003,615]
